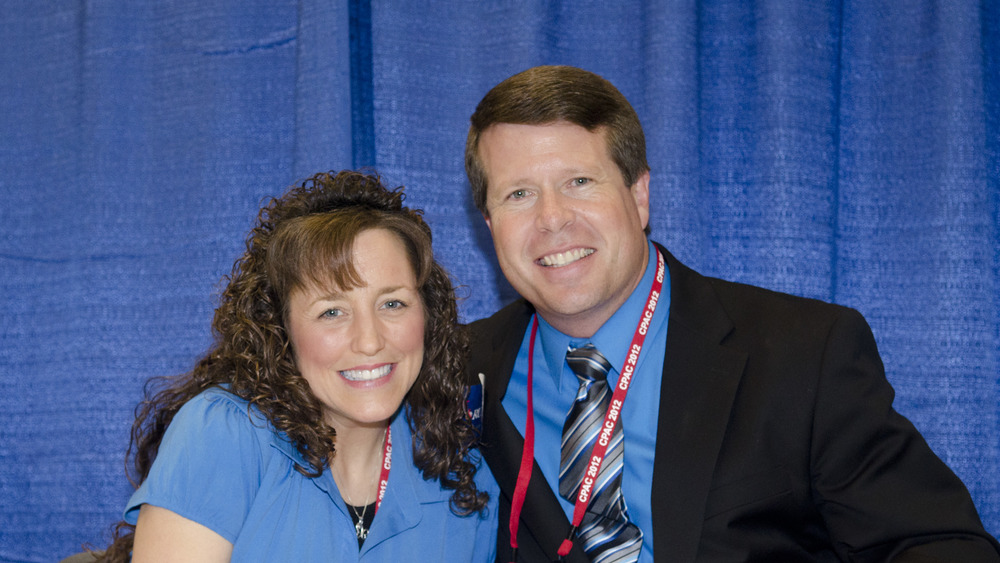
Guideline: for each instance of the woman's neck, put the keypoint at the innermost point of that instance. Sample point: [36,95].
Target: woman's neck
[357,463]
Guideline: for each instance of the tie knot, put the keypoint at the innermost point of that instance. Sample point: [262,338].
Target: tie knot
[588,363]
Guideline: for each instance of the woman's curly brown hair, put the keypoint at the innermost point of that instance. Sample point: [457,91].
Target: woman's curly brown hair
[252,354]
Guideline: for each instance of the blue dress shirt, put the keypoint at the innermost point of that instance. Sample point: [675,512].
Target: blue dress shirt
[555,387]
[236,476]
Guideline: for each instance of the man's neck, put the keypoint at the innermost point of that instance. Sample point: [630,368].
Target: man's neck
[584,324]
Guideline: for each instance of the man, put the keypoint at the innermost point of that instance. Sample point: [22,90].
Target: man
[758,426]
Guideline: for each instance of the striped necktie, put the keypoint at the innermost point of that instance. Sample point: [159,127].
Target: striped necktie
[605,533]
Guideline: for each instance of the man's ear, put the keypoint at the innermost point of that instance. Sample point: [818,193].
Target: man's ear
[640,193]
[489,224]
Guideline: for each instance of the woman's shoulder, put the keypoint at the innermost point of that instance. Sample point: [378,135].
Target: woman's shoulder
[213,434]
[219,413]
[217,410]
[217,398]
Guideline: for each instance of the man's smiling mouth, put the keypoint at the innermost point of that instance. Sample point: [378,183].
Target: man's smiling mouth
[560,259]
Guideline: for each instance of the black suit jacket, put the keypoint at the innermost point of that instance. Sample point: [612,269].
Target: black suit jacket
[776,440]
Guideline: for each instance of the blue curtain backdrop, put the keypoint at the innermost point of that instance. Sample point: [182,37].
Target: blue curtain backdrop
[843,150]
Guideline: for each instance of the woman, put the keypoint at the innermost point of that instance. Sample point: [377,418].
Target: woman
[328,421]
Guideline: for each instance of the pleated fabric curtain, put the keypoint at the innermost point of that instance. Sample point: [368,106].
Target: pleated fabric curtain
[847,151]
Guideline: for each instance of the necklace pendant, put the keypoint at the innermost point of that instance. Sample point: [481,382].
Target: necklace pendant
[360,530]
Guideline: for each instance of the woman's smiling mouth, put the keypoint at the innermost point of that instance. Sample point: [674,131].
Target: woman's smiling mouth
[366,374]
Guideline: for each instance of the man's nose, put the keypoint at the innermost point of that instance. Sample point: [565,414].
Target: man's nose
[554,212]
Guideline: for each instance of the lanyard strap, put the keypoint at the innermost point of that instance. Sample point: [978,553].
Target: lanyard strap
[383,479]
[527,453]
[604,438]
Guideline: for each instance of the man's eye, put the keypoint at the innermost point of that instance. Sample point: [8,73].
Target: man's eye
[581,181]
[518,194]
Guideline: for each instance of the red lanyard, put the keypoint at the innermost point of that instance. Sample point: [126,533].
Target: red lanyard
[610,420]
[383,479]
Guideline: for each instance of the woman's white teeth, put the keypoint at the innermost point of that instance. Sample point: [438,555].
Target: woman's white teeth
[563,258]
[366,374]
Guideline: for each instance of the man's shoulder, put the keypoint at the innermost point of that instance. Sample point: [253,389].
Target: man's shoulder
[512,315]
[733,291]
[500,332]
[694,295]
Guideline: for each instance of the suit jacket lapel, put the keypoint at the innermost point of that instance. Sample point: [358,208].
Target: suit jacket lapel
[496,360]
[700,378]
[542,513]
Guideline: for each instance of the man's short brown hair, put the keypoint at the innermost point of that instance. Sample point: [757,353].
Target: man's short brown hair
[550,94]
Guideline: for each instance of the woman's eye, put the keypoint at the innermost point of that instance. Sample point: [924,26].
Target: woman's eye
[330,313]
[394,304]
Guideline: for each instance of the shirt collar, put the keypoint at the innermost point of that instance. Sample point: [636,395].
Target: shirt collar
[614,337]
[415,487]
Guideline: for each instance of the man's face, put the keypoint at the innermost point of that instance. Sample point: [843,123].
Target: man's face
[567,230]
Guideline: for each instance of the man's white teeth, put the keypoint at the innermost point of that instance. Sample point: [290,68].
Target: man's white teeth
[366,374]
[563,258]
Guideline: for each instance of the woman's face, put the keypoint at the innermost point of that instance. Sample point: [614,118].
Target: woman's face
[361,349]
